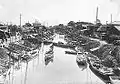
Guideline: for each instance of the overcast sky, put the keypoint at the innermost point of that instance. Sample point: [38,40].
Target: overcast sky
[57,11]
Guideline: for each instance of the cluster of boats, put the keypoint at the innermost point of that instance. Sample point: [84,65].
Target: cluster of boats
[28,49]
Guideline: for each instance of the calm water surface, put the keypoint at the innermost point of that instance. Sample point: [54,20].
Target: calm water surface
[63,70]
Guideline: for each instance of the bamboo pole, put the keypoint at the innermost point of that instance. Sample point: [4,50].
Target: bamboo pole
[26,73]
[42,52]
[87,76]
[19,61]
[21,74]
[9,75]
[33,64]
[13,73]
[90,78]
[10,68]
[38,56]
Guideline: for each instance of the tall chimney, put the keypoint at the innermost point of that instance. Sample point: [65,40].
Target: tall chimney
[96,14]
[111,18]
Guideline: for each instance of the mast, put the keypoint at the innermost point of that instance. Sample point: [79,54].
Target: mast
[111,18]
[25,79]
[13,72]
[96,14]
[20,20]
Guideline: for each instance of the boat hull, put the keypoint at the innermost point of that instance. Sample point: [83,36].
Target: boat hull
[104,77]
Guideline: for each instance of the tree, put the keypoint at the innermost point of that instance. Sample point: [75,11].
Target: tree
[28,24]
[71,23]
[13,29]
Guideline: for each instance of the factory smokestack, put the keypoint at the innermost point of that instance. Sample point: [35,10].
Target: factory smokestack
[96,14]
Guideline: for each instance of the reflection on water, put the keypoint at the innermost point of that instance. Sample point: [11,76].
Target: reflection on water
[63,70]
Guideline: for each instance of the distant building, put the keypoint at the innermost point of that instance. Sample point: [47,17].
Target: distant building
[4,28]
[107,30]
[26,29]
[116,24]
[37,24]
[85,24]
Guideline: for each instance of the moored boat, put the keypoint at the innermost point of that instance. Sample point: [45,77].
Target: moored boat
[104,77]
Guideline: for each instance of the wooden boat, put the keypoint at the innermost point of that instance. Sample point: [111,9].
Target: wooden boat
[63,46]
[81,61]
[71,52]
[49,55]
[104,77]
[19,47]
[82,64]
[116,75]
[28,58]
[11,50]
[47,42]
[48,58]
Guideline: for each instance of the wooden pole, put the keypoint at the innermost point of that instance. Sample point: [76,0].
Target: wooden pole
[26,73]
[33,64]
[21,74]
[42,48]
[20,21]
[13,72]
[10,67]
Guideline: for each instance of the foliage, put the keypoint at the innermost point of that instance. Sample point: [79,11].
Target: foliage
[103,51]
[13,29]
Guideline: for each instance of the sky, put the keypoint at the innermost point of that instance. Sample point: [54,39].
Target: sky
[54,12]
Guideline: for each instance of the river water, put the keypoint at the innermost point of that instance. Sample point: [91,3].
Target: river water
[63,70]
